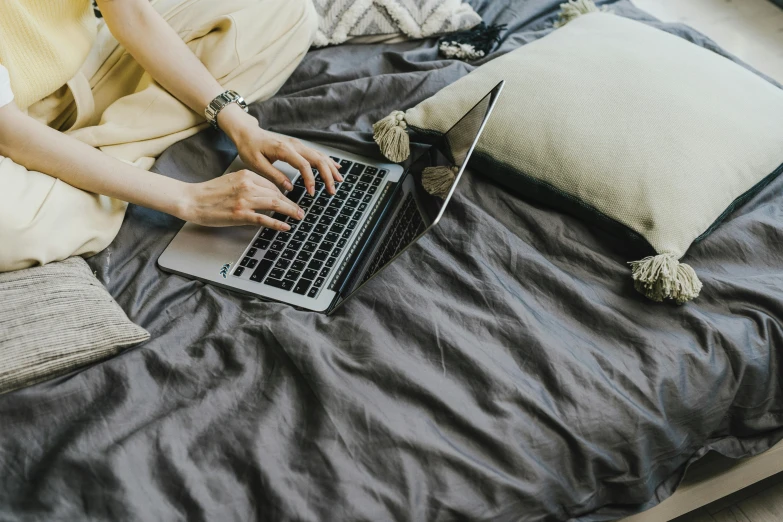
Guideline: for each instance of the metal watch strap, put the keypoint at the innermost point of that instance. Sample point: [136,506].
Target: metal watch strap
[219,103]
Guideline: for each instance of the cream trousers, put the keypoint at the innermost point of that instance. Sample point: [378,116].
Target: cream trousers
[250,46]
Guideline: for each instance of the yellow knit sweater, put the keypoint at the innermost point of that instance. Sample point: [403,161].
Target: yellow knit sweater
[43,43]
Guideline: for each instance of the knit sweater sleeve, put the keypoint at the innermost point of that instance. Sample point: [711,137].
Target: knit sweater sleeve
[6,95]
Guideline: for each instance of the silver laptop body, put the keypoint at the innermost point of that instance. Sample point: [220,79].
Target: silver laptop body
[343,241]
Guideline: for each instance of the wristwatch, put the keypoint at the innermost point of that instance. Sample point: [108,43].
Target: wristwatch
[219,103]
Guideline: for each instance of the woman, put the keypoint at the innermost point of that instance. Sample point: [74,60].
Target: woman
[88,117]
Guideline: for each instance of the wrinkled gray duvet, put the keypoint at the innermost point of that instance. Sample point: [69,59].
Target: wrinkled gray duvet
[503,369]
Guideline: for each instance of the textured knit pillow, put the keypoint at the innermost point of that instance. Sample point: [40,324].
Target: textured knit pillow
[625,126]
[389,20]
[56,318]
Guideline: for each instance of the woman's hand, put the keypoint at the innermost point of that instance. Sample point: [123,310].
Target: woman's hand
[259,149]
[236,199]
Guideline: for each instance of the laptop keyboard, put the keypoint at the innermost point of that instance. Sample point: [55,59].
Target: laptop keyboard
[407,225]
[302,259]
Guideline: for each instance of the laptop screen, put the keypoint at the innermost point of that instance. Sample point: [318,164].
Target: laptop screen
[423,193]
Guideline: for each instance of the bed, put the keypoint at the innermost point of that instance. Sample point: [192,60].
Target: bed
[503,369]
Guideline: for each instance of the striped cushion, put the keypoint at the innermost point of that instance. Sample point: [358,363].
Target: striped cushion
[56,318]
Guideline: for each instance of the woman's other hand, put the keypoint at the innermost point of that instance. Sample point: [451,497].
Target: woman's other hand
[236,199]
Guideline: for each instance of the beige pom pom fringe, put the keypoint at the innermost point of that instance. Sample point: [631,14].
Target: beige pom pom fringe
[390,134]
[439,180]
[664,277]
[574,9]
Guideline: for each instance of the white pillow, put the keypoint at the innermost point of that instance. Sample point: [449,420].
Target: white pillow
[627,126]
[372,21]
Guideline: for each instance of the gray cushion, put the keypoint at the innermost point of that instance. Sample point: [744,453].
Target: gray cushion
[56,318]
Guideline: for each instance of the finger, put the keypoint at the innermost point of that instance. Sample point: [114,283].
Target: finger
[253,218]
[288,153]
[275,203]
[323,165]
[264,183]
[265,168]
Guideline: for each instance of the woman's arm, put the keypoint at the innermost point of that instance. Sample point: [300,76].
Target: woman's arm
[227,200]
[163,54]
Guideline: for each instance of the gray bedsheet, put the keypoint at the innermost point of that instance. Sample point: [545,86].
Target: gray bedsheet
[503,369]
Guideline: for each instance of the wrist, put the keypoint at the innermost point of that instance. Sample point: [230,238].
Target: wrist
[183,202]
[236,122]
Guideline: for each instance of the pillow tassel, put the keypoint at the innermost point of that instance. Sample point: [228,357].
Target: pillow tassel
[664,277]
[391,135]
[438,180]
[573,9]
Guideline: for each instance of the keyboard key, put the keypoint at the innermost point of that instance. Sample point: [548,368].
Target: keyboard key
[315,238]
[337,228]
[371,170]
[263,267]
[295,245]
[313,292]
[285,284]
[382,173]
[334,159]
[298,265]
[372,190]
[342,220]
[306,202]
[304,256]
[311,219]
[367,198]
[272,255]
[347,233]
[326,220]
[331,211]
[305,227]
[321,255]
[278,216]
[282,263]
[321,229]
[289,254]
[278,245]
[310,274]
[284,236]
[375,183]
[319,186]
[252,264]
[357,169]
[324,272]
[299,182]
[351,178]
[341,243]
[302,286]
[315,265]
[332,237]
[362,207]
[245,261]
[326,245]
[238,271]
[341,195]
[277,273]
[352,224]
[345,165]
[293,275]
[322,201]
[261,244]
[330,262]
[295,194]
[252,252]
[337,252]
[310,247]
[317,209]
[300,236]
[352,202]
[268,234]
[366,179]
[358,215]
[319,282]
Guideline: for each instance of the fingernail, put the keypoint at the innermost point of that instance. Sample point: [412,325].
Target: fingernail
[311,191]
[300,213]
[288,185]
[286,227]
[339,178]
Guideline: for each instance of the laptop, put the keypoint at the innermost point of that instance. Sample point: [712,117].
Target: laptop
[345,240]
